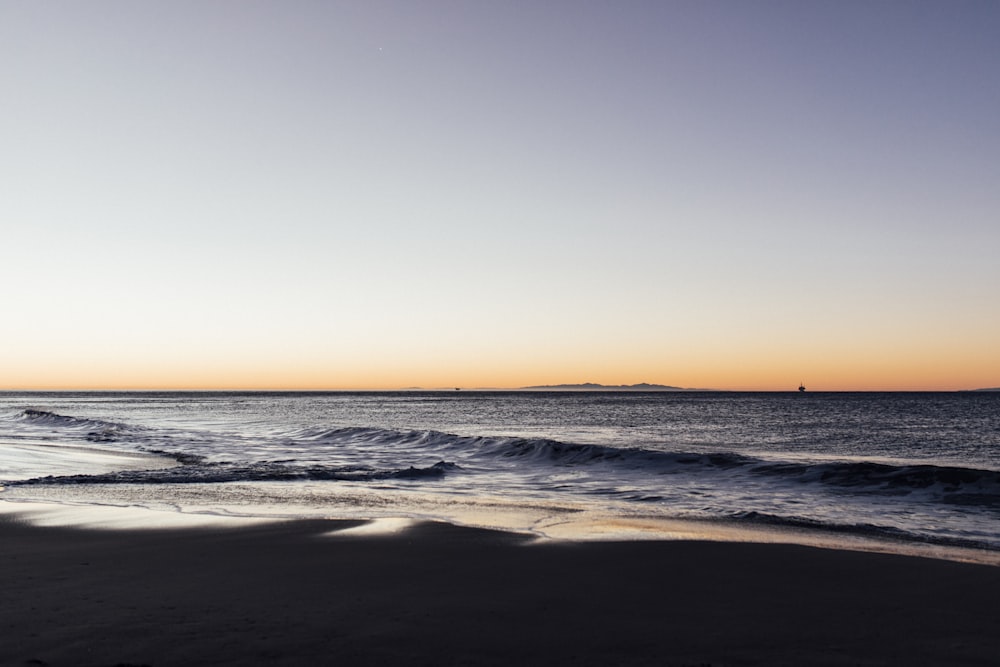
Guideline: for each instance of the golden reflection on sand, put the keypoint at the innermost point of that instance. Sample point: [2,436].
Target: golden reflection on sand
[385,526]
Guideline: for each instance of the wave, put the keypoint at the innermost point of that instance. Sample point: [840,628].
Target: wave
[47,418]
[528,449]
[520,448]
[946,484]
[953,485]
[94,430]
[863,529]
[216,473]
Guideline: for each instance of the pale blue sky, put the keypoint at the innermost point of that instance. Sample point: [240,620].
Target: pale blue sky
[508,193]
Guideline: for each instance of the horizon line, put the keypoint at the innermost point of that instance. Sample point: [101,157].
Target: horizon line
[569,389]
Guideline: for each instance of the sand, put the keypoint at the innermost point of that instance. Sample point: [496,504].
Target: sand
[291,594]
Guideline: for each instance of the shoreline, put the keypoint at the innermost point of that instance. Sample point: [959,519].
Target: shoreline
[309,592]
[562,525]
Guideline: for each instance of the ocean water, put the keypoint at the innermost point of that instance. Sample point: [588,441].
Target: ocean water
[912,468]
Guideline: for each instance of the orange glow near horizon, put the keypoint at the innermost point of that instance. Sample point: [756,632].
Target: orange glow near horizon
[745,351]
[872,373]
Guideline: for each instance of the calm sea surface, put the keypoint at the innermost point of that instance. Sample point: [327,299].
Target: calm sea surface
[913,467]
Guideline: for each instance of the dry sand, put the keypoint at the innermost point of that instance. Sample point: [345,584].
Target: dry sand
[289,594]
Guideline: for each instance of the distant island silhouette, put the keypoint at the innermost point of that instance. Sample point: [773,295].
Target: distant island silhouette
[591,386]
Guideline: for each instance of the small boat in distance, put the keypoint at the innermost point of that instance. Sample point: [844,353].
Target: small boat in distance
[802,387]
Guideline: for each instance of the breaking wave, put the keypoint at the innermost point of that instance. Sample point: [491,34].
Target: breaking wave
[93,430]
[955,485]
[215,473]
[368,453]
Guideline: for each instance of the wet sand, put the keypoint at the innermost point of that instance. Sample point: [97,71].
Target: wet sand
[291,594]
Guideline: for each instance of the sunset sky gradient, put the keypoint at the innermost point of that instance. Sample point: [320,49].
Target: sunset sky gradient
[379,195]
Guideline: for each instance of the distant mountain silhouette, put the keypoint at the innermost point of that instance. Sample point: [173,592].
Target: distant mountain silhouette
[591,386]
[991,389]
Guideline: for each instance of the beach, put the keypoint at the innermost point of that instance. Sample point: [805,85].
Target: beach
[314,592]
[498,529]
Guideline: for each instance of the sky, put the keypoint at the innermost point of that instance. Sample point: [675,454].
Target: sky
[237,194]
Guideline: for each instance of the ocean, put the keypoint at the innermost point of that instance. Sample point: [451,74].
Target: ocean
[905,470]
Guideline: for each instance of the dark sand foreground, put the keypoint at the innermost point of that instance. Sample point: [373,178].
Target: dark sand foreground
[440,595]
